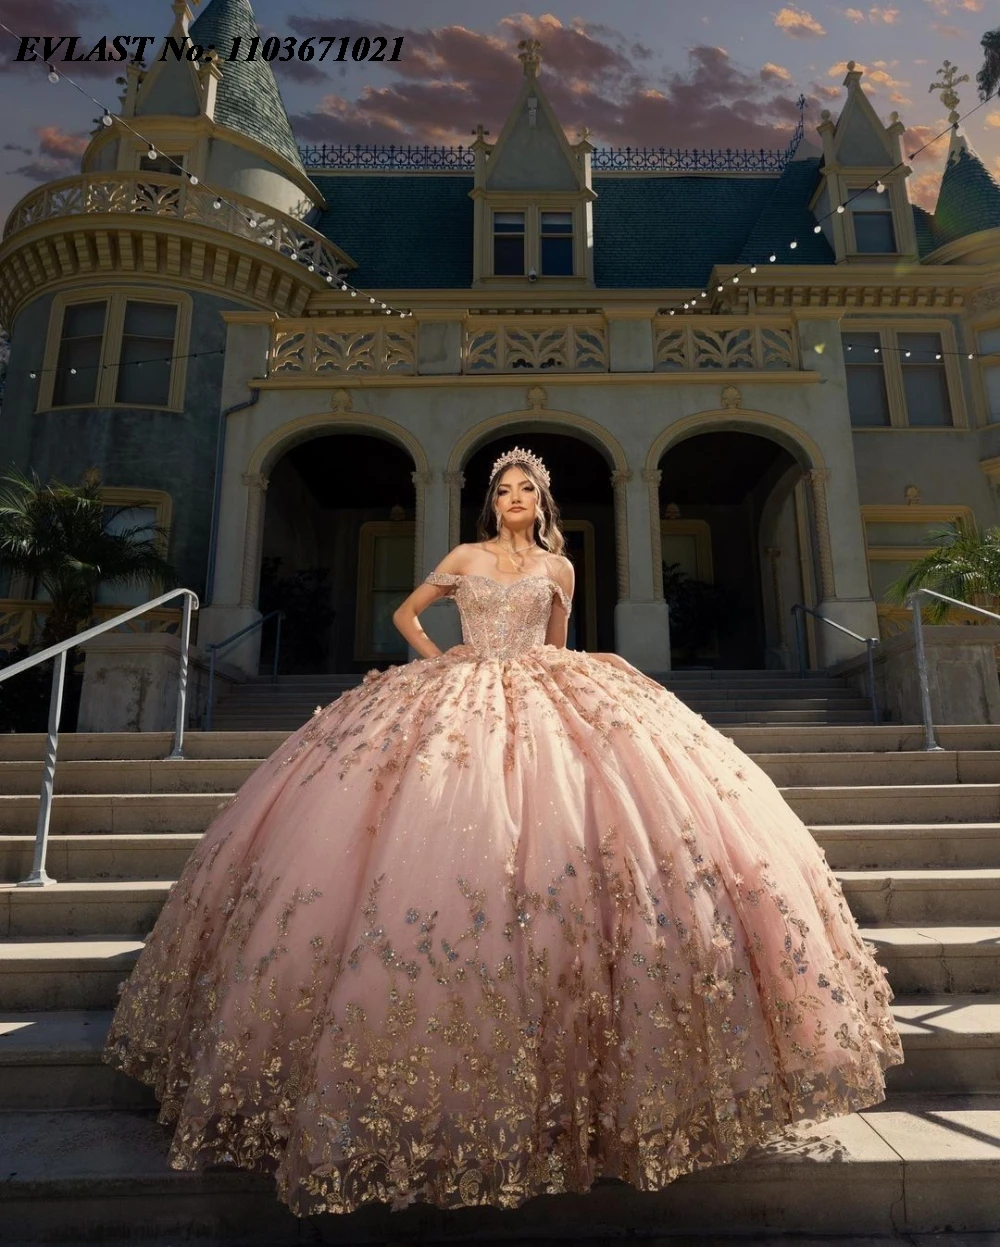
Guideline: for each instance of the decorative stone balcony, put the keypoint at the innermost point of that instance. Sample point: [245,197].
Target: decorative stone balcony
[386,347]
[96,222]
[724,343]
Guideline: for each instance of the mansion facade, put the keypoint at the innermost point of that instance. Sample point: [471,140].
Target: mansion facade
[766,374]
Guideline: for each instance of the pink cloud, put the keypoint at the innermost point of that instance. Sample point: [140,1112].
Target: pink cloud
[798,23]
[593,76]
[57,155]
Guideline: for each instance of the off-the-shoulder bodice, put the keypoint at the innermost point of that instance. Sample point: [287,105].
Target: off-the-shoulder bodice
[502,620]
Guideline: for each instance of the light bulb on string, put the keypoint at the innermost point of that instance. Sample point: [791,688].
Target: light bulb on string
[771,258]
[880,186]
[817,229]
[107,119]
[841,209]
[217,204]
[152,153]
[907,354]
[53,76]
[972,355]
[329,278]
[793,244]
[372,299]
[720,289]
[310,268]
[354,294]
[938,355]
[193,179]
[753,268]
[736,279]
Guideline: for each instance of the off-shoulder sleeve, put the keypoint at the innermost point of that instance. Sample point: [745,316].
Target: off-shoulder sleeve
[446,580]
[563,597]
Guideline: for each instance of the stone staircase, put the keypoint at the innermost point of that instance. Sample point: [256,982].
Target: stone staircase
[914,837]
[723,697]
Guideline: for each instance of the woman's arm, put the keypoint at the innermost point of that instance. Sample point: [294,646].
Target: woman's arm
[405,616]
[562,572]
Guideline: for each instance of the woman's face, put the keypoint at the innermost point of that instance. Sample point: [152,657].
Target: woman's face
[516,500]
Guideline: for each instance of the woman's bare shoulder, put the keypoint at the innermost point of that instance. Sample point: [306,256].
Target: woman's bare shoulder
[460,559]
[561,568]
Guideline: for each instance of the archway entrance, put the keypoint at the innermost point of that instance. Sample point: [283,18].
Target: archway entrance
[736,549]
[581,484]
[338,553]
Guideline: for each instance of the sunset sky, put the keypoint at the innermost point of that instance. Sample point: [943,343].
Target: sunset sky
[719,73]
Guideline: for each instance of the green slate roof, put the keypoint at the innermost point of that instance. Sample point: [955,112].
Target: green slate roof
[248,99]
[968,201]
[410,232]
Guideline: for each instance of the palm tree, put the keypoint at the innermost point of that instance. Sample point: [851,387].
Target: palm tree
[57,535]
[988,78]
[965,564]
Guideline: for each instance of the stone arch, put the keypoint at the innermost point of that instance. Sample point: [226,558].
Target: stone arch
[511,421]
[277,443]
[794,439]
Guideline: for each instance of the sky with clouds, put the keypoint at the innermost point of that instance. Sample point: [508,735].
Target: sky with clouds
[719,73]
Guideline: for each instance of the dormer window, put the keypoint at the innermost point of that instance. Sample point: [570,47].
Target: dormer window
[508,244]
[557,244]
[871,215]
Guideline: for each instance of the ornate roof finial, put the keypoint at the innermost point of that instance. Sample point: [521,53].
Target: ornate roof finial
[529,53]
[950,79]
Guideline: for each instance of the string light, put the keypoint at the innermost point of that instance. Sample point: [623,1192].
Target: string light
[878,185]
[108,119]
[907,352]
[33,373]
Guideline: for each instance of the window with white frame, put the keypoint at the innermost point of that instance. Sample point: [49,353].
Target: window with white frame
[899,379]
[867,396]
[122,350]
[925,381]
[871,215]
[81,349]
[988,342]
[508,244]
[556,258]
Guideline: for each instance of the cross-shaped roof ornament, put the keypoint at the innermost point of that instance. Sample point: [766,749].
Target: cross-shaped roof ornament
[529,53]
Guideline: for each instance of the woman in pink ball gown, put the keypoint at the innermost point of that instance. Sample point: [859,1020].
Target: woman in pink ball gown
[499,922]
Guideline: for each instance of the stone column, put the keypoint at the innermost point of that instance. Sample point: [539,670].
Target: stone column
[253,541]
[440,492]
[642,626]
[652,478]
[455,481]
[821,520]
[619,481]
[422,481]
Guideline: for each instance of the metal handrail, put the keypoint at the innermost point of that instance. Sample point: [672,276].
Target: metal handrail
[215,646]
[930,739]
[38,878]
[798,610]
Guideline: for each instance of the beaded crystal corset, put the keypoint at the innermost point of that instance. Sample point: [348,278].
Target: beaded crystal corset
[502,620]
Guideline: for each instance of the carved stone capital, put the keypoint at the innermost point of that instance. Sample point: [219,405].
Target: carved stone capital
[731,397]
[621,477]
[538,397]
[421,478]
[456,479]
[652,476]
[341,400]
[255,481]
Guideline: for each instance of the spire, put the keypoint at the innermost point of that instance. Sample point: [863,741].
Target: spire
[248,99]
[950,79]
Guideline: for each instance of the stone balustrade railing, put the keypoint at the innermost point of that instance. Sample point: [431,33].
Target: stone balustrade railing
[167,195]
[366,346]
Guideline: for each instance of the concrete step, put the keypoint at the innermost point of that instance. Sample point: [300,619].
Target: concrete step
[752,738]
[143,855]
[275,720]
[901,803]
[131,906]
[23,778]
[909,846]
[932,958]
[706,705]
[97,907]
[53,1060]
[849,847]
[918,1164]
[83,972]
[193,811]
[913,897]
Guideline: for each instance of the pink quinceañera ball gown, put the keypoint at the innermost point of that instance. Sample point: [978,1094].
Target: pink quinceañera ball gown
[500,923]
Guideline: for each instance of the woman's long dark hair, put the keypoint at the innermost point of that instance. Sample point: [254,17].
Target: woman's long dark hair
[547,534]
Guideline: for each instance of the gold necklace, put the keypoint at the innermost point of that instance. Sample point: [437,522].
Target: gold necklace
[510,552]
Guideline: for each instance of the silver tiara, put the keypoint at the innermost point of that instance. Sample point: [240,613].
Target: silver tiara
[517,455]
